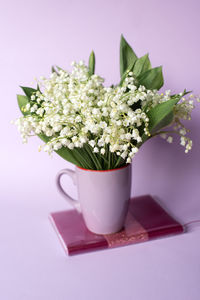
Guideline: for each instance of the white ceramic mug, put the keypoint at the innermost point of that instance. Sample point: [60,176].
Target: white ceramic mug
[103,197]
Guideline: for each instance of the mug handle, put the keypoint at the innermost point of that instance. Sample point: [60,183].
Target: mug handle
[69,199]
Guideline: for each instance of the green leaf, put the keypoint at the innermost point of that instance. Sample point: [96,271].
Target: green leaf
[152,79]
[28,91]
[68,155]
[22,101]
[127,56]
[91,65]
[44,138]
[53,70]
[161,115]
[142,64]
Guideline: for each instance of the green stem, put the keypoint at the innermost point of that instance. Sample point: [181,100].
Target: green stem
[93,157]
[98,162]
[105,160]
[81,159]
[108,158]
[162,132]
[118,161]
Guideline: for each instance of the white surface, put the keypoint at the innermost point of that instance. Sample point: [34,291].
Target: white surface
[35,266]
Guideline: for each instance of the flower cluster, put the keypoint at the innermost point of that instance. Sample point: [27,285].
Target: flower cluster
[74,109]
[181,111]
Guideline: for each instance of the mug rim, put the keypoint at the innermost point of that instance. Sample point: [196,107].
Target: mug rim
[110,170]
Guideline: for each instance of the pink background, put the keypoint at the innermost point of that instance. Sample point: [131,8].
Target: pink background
[37,34]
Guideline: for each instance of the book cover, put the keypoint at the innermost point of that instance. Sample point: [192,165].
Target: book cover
[146,220]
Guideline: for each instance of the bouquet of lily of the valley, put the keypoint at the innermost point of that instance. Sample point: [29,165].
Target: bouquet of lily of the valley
[97,127]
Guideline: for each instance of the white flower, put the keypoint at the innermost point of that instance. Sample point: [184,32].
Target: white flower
[170,139]
[128,136]
[40,111]
[92,143]
[57,128]
[96,150]
[78,119]
[83,139]
[124,154]
[119,122]
[27,107]
[103,125]
[182,131]
[65,142]
[47,148]
[34,108]
[101,142]
[103,151]
[71,146]
[183,141]
[57,146]
[49,132]
[38,130]
[134,150]
[105,111]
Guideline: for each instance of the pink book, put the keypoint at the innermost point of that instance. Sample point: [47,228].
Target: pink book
[146,220]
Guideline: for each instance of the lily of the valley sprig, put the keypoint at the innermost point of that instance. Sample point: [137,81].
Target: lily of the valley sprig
[98,127]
